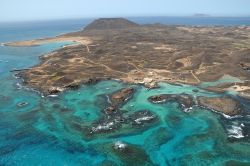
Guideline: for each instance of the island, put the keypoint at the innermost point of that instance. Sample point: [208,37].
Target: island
[119,49]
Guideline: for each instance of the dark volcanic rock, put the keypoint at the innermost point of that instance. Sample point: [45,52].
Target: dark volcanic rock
[110,109]
[117,123]
[184,99]
[118,98]
[22,104]
[225,105]
[195,90]
[74,85]
[53,91]
[127,154]
[110,23]
[158,99]
[92,81]
[245,67]
[131,155]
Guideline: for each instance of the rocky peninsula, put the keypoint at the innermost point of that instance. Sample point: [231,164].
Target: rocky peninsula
[116,48]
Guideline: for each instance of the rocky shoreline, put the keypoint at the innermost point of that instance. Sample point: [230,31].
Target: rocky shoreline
[225,105]
[184,99]
[145,54]
[116,121]
[140,54]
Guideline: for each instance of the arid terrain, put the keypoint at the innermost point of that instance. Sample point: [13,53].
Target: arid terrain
[145,54]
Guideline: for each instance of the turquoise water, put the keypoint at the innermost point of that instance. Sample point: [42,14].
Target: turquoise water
[222,80]
[59,130]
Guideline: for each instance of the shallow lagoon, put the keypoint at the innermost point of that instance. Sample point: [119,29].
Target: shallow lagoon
[56,130]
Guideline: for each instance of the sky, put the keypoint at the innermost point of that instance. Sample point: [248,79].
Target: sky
[25,10]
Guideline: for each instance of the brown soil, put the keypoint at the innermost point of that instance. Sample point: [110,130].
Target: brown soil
[143,54]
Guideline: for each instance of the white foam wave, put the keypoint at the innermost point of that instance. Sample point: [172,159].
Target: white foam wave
[160,101]
[188,109]
[53,96]
[230,117]
[108,99]
[120,145]
[19,86]
[236,131]
[106,126]
[145,118]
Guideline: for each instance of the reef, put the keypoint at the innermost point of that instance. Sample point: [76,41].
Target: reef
[128,154]
[185,100]
[121,122]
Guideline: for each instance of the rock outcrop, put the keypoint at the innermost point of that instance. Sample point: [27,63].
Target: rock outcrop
[119,97]
[183,99]
[225,105]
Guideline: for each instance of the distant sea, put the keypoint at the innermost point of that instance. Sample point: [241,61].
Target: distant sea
[37,29]
[13,31]
[194,21]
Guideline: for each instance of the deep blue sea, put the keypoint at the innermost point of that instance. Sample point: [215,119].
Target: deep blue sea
[58,131]
[194,21]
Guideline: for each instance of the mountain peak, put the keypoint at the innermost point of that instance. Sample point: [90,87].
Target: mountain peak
[110,23]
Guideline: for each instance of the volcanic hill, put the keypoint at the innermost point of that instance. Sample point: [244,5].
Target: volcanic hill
[116,48]
[110,23]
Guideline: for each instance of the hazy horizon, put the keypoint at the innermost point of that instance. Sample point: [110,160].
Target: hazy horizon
[28,10]
[129,17]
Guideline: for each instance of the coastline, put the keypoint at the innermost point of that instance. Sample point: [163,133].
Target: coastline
[110,111]
[35,42]
[79,65]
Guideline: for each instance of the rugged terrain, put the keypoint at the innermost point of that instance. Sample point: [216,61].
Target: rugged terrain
[146,54]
